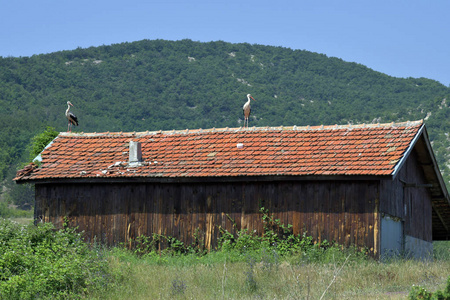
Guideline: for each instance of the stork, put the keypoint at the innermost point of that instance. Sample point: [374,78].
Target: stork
[247,109]
[73,120]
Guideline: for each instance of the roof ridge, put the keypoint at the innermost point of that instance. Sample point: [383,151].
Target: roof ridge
[241,129]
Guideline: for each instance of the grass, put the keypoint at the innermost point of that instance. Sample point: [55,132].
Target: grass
[10,212]
[214,276]
[23,217]
[22,220]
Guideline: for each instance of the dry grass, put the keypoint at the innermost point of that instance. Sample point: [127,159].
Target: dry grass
[22,221]
[146,279]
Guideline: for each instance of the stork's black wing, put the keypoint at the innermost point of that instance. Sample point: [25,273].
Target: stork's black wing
[73,119]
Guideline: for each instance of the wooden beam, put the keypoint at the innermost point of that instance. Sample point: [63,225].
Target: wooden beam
[439,215]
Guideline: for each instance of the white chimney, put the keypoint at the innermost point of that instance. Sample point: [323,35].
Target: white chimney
[135,152]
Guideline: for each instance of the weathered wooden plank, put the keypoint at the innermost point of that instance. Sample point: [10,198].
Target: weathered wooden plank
[281,192]
[232,204]
[154,211]
[148,209]
[222,201]
[315,222]
[303,215]
[198,228]
[327,228]
[376,228]
[209,216]
[255,207]
[217,210]
[192,215]
[98,212]
[320,212]
[339,211]
[171,212]
[165,211]
[295,209]
[343,221]
[251,207]
[103,218]
[158,214]
[354,214]
[93,215]
[287,200]
[184,221]
[335,211]
[176,212]
[109,224]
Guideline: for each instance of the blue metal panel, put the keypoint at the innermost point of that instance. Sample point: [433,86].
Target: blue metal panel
[391,236]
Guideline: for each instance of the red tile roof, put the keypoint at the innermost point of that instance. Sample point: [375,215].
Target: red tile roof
[373,149]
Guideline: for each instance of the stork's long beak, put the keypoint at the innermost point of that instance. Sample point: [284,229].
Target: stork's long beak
[252,98]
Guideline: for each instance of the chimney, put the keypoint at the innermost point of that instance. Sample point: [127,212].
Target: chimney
[135,153]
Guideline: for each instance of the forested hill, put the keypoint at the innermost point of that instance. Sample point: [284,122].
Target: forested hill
[157,84]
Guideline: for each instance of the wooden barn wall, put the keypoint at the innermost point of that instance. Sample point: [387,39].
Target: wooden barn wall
[411,204]
[339,211]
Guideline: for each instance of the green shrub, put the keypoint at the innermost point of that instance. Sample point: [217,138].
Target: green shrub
[418,292]
[277,239]
[41,262]
[145,245]
[41,140]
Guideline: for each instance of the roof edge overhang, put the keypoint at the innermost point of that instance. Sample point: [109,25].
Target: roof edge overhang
[423,132]
[436,166]
[408,151]
[112,180]
[437,179]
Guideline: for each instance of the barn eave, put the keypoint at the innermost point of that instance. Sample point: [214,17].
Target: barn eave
[435,184]
[143,179]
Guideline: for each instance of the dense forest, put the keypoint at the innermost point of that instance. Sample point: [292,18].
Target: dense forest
[158,84]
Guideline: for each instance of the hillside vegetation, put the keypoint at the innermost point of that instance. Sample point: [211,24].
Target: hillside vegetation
[158,84]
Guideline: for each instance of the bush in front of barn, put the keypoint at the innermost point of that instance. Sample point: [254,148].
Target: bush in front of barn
[41,262]
[277,240]
[418,292]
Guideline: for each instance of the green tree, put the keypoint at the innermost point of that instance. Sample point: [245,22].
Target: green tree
[41,140]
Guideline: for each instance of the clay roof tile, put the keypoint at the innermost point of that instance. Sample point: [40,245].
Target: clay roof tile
[322,150]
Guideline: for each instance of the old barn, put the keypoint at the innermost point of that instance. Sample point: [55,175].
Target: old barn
[376,186]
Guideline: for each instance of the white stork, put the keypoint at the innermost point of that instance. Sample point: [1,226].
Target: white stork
[247,109]
[73,120]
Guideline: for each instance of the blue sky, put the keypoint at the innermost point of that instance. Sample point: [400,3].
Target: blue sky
[399,38]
